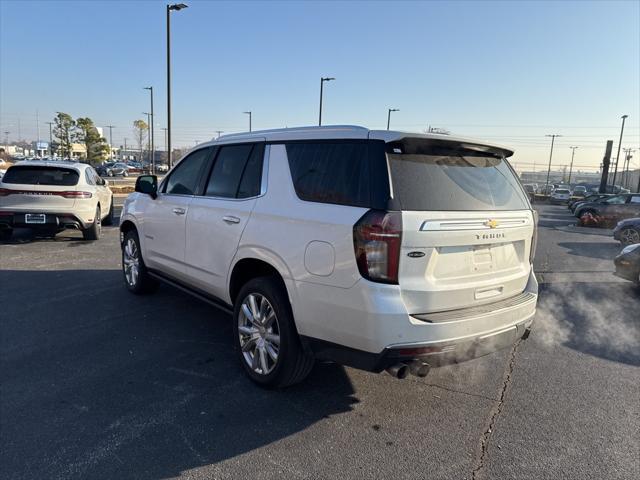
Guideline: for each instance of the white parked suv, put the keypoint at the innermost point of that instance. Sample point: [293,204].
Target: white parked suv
[376,249]
[49,197]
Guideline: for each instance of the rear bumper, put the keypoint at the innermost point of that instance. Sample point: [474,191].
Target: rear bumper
[375,331]
[53,221]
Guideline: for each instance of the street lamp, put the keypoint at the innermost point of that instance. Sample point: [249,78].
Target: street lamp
[249,113]
[553,138]
[177,7]
[322,80]
[615,172]
[389,115]
[153,145]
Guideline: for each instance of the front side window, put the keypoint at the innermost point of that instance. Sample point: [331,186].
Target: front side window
[237,172]
[185,177]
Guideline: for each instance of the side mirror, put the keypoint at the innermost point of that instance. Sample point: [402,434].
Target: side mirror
[147,184]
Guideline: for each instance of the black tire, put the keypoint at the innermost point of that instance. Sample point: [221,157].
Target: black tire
[108,220]
[110,174]
[293,363]
[143,282]
[95,230]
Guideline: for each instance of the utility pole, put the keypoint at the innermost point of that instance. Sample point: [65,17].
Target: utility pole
[249,113]
[322,80]
[615,172]
[111,127]
[553,138]
[219,132]
[605,167]
[389,115]
[37,134]
[626,164]
[125,148]
[50,139]
[573,152]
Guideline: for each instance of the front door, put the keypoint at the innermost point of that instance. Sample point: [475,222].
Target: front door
[165,216]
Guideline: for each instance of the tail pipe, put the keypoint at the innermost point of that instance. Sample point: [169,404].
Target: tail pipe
[399,370]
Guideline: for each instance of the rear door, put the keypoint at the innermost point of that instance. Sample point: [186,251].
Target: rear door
[165,216]
[217,218]
[467,225]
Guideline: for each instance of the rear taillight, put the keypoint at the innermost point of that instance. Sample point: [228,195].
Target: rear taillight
[75,194]
[534,238]
[376,241]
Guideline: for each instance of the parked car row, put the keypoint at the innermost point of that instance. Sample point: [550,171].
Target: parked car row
[610,208]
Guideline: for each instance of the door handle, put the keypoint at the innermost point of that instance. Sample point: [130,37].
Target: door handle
[231,219]
[179,211]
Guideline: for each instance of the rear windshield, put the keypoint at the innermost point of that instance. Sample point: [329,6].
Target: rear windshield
[445,177]
[37,175]
[561,191]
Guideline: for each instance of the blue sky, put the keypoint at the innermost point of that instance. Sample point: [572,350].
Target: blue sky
[505,71]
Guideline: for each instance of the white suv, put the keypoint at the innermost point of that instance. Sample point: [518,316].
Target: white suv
[375,249]
[49,197]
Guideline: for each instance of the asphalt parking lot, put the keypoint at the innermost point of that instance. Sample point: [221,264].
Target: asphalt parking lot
[98,383]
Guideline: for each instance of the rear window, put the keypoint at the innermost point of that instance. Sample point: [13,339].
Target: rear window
[446,176]
[347,172]
[559,190]
[37,175]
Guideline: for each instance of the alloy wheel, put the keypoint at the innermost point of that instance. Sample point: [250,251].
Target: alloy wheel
[630,236]
[131,262]
[259,333]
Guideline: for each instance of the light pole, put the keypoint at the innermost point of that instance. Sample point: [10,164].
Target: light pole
[153,145]
[249,113]
[322,80]
[553,138]
[626,163]
[389,115]
[148,136]
[573,152]
[111,127]
[615,171]
[177,7]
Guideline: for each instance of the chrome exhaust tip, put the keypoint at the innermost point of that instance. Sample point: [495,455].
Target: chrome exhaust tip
[419,368]
[399,371]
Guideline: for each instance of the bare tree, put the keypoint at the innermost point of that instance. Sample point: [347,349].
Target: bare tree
[140,133]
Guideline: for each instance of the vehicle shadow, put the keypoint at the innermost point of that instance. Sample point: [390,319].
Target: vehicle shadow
[99,383]
[599,318]
[598,250]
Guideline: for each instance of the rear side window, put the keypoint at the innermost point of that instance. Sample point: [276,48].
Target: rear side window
[342,172]
[36,175]
[426,176]
[237,172]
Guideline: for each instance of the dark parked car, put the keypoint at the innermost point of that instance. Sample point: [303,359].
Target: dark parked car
[103,170]
[594,197]
[118,169]
[612,209]
[627,231]
[628,263]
